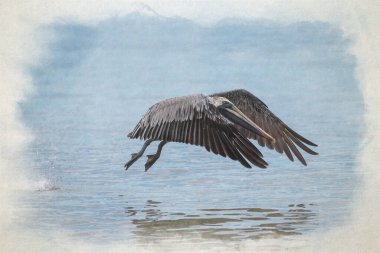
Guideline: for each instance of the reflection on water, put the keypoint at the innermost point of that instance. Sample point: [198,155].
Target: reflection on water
[97,84]
[224,224]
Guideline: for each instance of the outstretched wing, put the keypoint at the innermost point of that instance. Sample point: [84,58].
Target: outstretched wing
[258,112]
[194,120]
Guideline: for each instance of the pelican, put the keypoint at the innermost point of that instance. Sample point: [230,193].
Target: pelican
[223,123]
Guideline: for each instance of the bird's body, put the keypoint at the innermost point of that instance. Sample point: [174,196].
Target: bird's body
[223,123]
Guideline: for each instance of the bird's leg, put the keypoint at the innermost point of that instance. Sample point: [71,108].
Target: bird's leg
[153,158]
[136,156]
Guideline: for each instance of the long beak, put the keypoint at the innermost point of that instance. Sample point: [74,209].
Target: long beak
[238,117]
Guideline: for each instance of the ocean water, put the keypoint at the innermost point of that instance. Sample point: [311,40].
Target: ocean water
[97,81]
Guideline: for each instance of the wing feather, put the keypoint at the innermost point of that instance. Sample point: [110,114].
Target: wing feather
[259,113]
[195,120]
[230,146]
[219,144]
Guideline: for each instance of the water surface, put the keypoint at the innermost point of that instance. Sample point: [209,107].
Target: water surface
[97,82]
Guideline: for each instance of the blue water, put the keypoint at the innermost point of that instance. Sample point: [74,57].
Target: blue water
[97,82]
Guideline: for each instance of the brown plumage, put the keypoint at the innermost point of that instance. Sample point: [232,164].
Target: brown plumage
[207,121]
[194,120]
[259,113]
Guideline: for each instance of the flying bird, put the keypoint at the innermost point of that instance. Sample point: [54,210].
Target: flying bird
[223,123]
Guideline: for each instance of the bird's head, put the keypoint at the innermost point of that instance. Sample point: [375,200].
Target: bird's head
[219,102]
[229,111]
